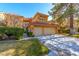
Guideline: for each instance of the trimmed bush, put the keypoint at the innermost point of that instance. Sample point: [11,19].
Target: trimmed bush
[12,31]
[30,34]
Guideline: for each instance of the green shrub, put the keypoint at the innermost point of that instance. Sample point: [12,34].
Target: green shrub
[37,49]
[32,47]
[64,30]
[12,31]
[44,49]
[75,35]
[78,29]
[30,34]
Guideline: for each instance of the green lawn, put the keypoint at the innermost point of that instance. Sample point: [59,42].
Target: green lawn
[22,48]
[75,35]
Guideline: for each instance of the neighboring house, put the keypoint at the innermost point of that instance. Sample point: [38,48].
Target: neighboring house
[38,24]
[12,20]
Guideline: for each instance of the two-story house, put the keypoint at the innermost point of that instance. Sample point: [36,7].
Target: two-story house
[40,25]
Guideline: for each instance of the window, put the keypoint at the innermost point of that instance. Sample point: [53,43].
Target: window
[42,19]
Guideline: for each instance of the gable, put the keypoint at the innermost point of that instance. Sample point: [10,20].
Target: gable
[39,17]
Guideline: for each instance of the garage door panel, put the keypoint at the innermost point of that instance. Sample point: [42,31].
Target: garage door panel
[48,31]
[37,31]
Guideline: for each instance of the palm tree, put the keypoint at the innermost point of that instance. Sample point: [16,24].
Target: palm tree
[62,11]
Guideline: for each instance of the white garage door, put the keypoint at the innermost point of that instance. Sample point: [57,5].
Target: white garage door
[48,31]
[37,31]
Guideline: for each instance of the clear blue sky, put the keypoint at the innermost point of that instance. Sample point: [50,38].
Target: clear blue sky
[25,9]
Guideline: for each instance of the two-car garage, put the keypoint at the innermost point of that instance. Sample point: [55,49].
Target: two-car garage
[39,31]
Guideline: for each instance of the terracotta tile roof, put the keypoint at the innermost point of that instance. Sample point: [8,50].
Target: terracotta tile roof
[27,20]
[42,14]
[43,24]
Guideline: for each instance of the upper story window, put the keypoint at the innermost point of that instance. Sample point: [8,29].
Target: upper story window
[42,19]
